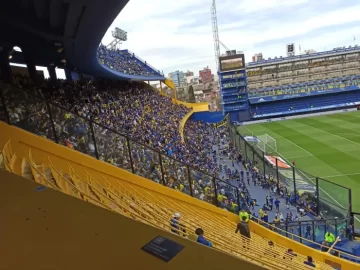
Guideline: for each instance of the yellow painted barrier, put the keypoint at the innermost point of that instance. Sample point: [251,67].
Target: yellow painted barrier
[41,148]
[182,124]
[170,83]
[197,107]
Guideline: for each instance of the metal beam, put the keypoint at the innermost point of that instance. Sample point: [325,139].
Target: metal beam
[215,34]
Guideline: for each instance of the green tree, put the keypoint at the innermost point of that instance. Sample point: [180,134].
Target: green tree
[191,94]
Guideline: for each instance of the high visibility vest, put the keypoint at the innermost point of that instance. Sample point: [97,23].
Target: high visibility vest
[329,237]
[244,214]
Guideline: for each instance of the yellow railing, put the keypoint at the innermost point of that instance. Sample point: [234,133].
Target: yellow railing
[182,124]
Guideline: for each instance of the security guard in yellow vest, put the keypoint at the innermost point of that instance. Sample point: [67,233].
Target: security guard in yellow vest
[245,214]
[329,238]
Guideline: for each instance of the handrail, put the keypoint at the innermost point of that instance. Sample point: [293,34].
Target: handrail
[259,221]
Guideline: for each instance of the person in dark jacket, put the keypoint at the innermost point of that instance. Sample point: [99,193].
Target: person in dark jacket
[176,225]
[243,228]
[201,239]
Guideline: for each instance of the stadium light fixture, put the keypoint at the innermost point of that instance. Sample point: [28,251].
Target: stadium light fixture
[119,34]
[10,56]
[17,49]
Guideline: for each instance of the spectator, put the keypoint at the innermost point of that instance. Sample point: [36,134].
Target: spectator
[176,225]
[243,228]
[277,204]
[310,262]
[308,231]
[329,238]
[201,239]
[244,216]
[290,254]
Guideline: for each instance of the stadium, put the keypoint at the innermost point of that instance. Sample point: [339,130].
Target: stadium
[104,169]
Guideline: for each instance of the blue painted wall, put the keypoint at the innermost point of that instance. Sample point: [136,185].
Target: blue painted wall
[208,117]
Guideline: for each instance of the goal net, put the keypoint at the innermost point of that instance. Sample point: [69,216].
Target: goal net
[266,143]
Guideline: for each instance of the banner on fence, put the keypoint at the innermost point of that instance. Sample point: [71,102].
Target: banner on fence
[281,163]
[222,122]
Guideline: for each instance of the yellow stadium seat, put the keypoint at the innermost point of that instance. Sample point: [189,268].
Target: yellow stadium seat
[141,200]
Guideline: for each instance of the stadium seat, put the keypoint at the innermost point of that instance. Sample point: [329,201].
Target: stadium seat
[155,209]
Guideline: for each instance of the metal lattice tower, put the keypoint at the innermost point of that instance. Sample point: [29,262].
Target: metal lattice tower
[119,35]
[215,34]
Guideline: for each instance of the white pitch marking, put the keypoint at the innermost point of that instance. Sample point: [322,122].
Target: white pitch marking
[331,134]
[301,156]
[338,175]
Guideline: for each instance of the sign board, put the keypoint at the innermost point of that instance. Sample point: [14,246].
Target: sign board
[40,188]
[232,62]
[163,248]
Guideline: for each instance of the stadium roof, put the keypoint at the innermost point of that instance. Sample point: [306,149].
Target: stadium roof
[50,31]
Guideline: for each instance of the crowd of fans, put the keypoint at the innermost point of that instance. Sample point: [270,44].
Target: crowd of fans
[124,62]
[151,121]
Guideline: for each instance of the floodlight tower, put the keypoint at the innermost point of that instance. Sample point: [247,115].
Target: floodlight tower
[119,36]
[215,34]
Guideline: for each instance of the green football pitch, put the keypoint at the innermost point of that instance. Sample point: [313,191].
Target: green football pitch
[326,146]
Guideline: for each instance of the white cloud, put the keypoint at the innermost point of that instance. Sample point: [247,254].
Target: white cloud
[173,35]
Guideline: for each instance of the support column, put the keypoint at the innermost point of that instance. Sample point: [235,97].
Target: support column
[68,74]
[30,63]
[5,69]
[52,73]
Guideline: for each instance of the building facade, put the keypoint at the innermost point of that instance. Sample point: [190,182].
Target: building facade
[336,63]
[205,75]
[178,77]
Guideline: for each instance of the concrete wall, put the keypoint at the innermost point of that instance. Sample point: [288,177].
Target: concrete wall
[50,230]
[208,117]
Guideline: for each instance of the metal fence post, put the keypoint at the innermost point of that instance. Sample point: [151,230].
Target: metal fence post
[317,196]
[350,201]
[295,193]
[52,122]
[336,228]
[253,149]
[245,151]
[162,170]
[300,232]
[277,172]
[130,155]
[238,199]
[4,106]
[190,182]
[93,137]
[215,191]
[263,160]
[238,136]
[313,230]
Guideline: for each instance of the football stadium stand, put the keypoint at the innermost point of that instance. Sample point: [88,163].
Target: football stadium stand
[116,190]
[116,149]
[305,97]
[124,62]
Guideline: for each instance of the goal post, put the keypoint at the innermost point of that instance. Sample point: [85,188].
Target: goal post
[266,143]
[270,143]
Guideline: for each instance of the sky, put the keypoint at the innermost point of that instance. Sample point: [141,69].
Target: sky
[177,35]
